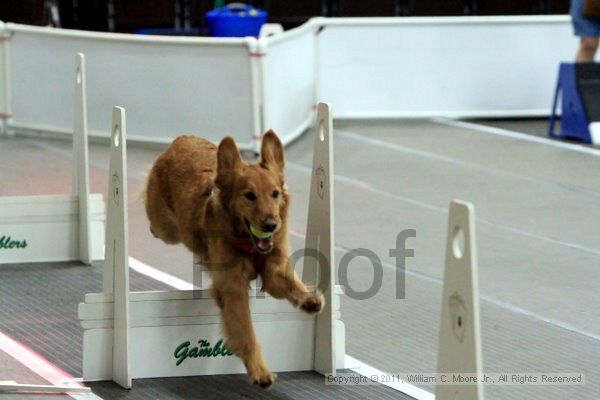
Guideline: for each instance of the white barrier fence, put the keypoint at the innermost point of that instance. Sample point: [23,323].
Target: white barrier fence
[290,76]
[369,67]
[206,83]
[442,66]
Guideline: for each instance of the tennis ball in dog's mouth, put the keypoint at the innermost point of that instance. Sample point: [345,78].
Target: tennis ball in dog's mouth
[260,234]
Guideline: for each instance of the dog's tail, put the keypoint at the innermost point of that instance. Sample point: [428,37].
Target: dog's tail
[142,194]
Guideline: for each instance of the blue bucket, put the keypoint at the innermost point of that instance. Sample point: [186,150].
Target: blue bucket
[235,20]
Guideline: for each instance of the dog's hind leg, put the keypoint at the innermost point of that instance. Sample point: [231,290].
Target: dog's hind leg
[232,298]
[162,219]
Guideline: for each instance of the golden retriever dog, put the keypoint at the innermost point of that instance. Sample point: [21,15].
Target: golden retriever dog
[222,209]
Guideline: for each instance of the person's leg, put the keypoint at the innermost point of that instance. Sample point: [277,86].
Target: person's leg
[587,49]
[587,29]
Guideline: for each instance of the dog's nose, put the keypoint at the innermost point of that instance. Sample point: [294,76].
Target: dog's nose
[269,224]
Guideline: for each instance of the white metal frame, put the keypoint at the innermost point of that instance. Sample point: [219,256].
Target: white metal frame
[138,334]
[50,228]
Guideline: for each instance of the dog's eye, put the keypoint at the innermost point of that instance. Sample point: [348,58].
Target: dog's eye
[250,196]
[275,193]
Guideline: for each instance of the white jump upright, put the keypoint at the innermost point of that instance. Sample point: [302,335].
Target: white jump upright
[80,184]
[459,349]
[178,333]
[116,253]
[319,268]
[47,228]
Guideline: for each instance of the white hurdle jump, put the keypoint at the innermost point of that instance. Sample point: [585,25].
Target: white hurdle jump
[177,333]
[459,350]
[57,227]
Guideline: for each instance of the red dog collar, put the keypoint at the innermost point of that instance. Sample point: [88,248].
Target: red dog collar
[258,259]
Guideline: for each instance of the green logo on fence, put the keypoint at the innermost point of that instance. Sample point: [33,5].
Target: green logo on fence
[203,349]
[6,242]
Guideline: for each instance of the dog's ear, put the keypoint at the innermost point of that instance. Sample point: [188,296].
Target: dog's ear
[271,152]
[229,160]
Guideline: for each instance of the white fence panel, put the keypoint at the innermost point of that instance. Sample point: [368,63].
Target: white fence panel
[290,82]
[367,67]
[454,66]
[206,91]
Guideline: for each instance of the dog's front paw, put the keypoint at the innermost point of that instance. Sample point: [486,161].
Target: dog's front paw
[263,378]
[313,304]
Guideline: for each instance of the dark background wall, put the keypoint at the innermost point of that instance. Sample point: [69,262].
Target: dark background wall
[131,15]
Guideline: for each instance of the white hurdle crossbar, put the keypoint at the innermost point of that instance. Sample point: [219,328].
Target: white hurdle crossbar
[459,350]
[177,333]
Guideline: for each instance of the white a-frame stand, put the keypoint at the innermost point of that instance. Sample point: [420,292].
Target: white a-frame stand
[177,333]
[460,338]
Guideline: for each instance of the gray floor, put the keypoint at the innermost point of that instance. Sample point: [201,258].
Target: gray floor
[538,233]
[532,126]
[289,386]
